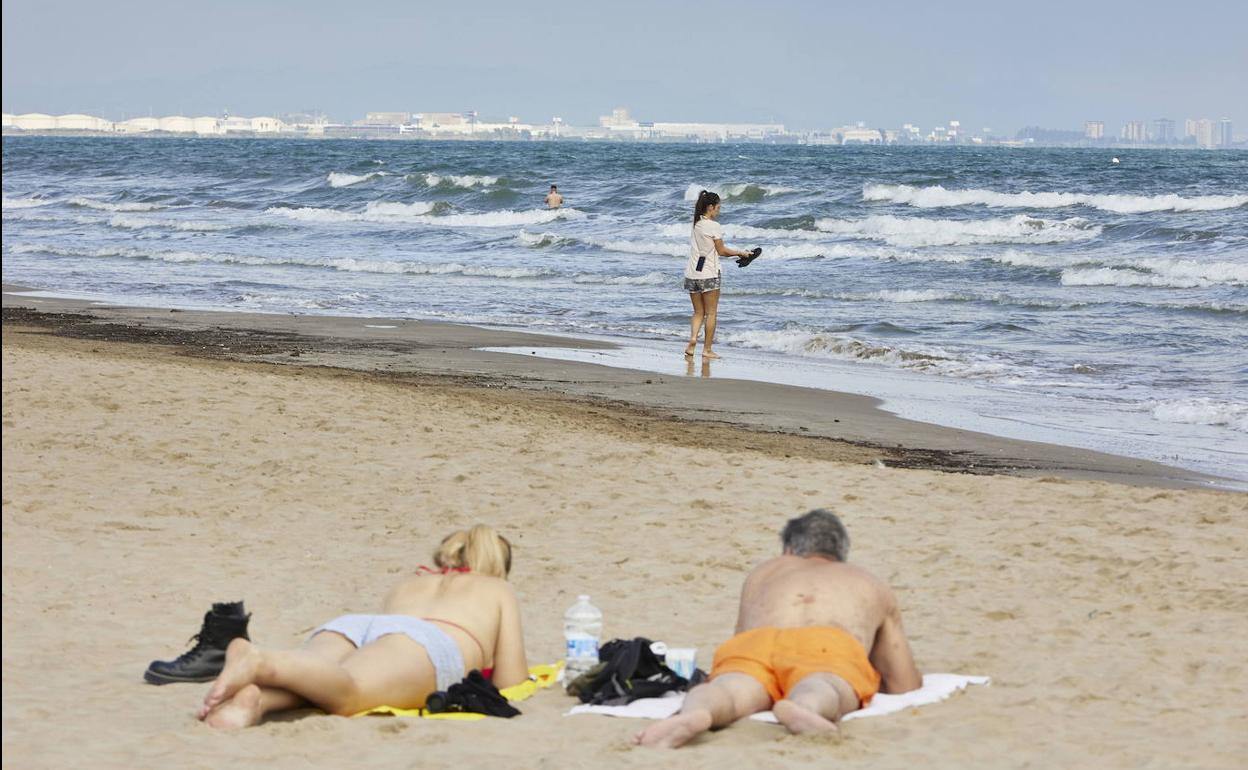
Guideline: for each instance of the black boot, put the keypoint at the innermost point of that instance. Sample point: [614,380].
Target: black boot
[203,662]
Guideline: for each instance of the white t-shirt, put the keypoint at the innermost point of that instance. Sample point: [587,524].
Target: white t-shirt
[702,245]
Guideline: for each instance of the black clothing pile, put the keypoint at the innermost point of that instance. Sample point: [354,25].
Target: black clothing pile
[628,670]
[476,695]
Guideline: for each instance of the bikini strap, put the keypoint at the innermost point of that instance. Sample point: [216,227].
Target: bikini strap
[453,624]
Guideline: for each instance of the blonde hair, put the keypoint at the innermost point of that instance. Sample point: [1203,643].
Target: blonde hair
[480,549]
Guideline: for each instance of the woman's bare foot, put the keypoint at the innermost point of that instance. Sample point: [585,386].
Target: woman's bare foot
[242,662]
[689,349]
[709,354]
[243,710]
[801,720]
[675,731]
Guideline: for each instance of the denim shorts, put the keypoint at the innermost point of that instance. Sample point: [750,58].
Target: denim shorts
[701,285]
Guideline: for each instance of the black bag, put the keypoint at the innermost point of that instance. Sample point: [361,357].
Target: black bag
[475,694]
[628,670]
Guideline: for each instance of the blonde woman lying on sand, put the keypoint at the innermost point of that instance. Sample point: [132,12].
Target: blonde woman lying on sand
[435,627]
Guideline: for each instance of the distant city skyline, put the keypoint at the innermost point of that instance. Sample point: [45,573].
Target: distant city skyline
[802,63]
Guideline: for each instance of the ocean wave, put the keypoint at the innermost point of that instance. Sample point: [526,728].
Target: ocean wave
[1160,272]
[126,222]
[466,181]
[846,348]
[655,278]
[916,233]
[424,213]
[25,203]
[543,240]
[343,264]
[747,193]
[937,196]
[734,232]
[1202,411]
[340,179]
[91,203]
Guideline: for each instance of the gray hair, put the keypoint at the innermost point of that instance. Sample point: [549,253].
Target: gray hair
[819,532]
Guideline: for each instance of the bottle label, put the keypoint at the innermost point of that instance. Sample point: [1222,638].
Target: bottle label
[582,647]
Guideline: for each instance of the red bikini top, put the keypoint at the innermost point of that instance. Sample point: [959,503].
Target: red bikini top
[443,570]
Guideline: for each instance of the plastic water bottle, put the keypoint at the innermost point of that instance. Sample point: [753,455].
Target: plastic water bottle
[582,628]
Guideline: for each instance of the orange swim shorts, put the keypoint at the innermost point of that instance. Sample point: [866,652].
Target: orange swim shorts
[780,657]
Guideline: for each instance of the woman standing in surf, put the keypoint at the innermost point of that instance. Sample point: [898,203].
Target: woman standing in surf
[702,272]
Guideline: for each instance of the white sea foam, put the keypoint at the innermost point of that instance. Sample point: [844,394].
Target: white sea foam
[506,218]
[344,264]
[1202,411]
[128,222]
[937,196]
[736,191]
[732,232]
[91,203]
[24,203]
[655,278]
[340,179]
[542,240]
[842,347]
[918,232]
[1160,272]
[466,181]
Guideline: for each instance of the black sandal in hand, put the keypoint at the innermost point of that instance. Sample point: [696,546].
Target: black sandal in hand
[753,255]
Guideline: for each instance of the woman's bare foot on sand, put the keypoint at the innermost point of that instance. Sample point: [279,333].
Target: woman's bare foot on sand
[242,662]
[675,731]
[800,720]
[709,354]
[243,710]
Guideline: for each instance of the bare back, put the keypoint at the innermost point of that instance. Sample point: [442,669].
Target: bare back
[795,592]
[470,609]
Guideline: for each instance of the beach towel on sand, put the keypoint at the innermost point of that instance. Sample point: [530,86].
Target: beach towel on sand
[540,677]
[936,687]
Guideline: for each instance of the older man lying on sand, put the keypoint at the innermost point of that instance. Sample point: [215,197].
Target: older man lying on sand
[804,627]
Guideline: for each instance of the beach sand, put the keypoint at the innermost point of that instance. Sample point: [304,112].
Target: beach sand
[141,484]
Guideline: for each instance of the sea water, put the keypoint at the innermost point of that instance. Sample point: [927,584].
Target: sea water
[1040,293]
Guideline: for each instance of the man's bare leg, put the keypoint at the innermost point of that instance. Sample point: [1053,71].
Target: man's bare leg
[721,702]
[815,704]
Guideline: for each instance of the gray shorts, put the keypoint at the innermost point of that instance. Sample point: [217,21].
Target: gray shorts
[448,661]
[701,285]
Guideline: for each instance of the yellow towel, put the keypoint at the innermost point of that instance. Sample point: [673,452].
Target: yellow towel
[540,677]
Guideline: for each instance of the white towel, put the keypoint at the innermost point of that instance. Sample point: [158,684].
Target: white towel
[936,687]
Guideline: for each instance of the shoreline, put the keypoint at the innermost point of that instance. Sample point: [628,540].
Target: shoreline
[796,420]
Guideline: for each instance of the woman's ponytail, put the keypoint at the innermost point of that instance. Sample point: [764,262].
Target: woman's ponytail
[479,549]
[706,199]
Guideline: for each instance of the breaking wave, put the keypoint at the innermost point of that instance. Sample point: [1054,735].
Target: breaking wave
[91,203]
[126,222]
[917,233]
[1163,273]
[746,193]
[25,203]
[340,179]
[1202,411]
[655,278]
[937,196]
[424,213]
[466,181]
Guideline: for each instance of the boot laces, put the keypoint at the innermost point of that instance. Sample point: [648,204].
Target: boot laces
[200,644]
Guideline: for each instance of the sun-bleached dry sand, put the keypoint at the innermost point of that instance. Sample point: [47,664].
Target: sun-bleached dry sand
[139,486]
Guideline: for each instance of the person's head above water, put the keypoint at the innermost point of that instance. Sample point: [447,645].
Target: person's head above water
[708,204]
[817,533]
[553,188]
[479,549]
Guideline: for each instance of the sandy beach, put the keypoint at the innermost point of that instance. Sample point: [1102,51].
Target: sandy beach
[156,462]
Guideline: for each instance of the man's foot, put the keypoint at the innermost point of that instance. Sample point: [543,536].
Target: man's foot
[243,710]
[675,731]
[242,661]
[801,720]
[709,354]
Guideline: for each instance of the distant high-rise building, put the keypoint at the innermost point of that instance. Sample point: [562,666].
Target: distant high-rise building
[1189,128]
[1134,131]
[1163,131]
[1204,131]
[1094,130]
[1225,136]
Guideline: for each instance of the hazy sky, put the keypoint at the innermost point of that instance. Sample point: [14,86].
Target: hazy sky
[808,64]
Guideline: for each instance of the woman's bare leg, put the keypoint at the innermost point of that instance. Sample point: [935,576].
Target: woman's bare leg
[251,703]
[710,301]
[393,670]
[695,323]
